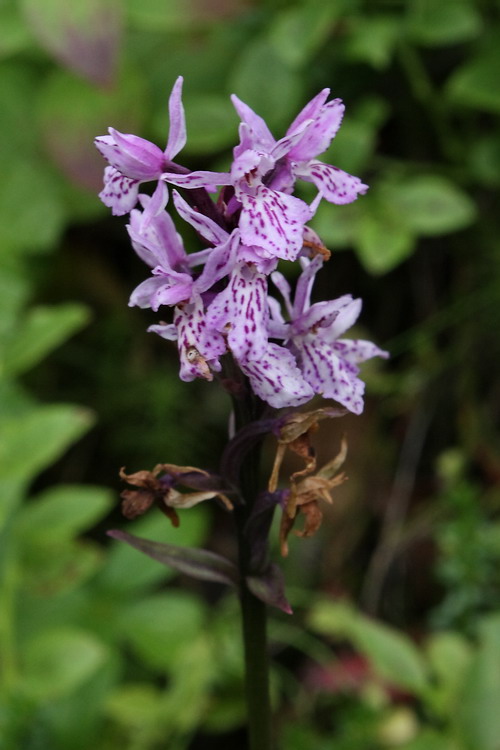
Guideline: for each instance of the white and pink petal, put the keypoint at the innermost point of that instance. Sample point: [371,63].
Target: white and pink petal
[276,379]
[119,193]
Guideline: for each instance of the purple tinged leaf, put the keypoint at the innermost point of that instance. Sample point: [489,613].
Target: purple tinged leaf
[269,587]
[197,563]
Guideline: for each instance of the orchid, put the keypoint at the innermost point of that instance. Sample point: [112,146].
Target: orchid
[228,326]
[328,363]
[134,160]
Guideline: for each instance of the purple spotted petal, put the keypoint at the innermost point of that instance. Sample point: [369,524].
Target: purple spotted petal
[274,222]
[208,229]
[197,179]
[261,133]
[119,192]
[357,350]
[310,111]
[276,379]
[250,166]
[131,155]
[199,346]
[320,315]
[240,311]
[319,133]
[334,184]
[177,131]
[285,146]
[348,313]
[331,375]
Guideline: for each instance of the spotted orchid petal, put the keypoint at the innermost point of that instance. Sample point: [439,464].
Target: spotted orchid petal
[310,111]
[273,221]
[358,350]
[330,375]
[320,131]
[334,184]
[119,192]
[240,312]
[199,346]
[199,179]
[276,379]
[208,229]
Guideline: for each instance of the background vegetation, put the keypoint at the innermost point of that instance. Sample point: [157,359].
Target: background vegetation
[395,640]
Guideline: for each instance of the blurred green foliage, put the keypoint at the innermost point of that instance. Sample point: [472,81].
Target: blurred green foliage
[99,646]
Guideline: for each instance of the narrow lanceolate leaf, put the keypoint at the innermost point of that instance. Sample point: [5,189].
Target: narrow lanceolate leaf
[269,587]
[198,563]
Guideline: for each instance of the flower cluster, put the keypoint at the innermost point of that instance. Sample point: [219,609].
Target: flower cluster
[220,296]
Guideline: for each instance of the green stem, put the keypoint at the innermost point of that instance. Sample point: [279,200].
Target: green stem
[253,611]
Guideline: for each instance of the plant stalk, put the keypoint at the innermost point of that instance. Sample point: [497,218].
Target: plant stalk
[253,610]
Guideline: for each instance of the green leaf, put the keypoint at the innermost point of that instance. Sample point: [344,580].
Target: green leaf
[298,32]
[198,563]
[164,15]
[43,329]
[83,36]
[15,37]
[372,39]
[58,566]
[336,225]
[61,512]
[58,661]
[34,440]
[382,240]
[18,88]
[263,81]
[160,627]
[478,717]
[126,571]
[136,705]
[72,112]
[475,83]
[39,225]
[443,649]
[484,159]
[429,204]
[444,22]
[393,655]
